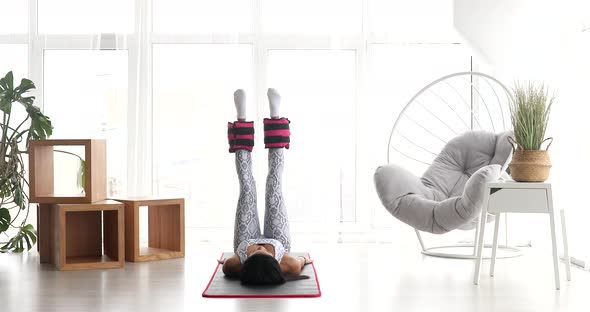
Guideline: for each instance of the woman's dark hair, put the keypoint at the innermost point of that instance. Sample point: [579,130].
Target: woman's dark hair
[261,269]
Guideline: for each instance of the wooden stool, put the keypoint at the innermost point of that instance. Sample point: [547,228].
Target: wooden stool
[70,235]
[510,196]
[165,228]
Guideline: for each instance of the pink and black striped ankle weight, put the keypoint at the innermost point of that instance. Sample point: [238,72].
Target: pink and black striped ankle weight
[240,135]
[276,133]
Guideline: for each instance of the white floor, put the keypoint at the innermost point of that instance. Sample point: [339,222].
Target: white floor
[353,277]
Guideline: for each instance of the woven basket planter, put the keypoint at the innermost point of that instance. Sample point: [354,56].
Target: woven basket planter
[530,166]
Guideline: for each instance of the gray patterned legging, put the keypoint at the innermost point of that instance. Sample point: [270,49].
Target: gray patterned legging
[276,223]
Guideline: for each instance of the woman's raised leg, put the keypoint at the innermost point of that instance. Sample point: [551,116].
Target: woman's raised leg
[241,141]
[276,137]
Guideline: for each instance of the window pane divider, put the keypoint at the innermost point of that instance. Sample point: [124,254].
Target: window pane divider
[86,42]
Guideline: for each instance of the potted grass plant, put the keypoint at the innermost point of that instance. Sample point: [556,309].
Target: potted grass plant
[530,110]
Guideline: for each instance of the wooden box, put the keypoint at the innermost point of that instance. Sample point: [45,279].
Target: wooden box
[82,236]
[165,228]
[41,172]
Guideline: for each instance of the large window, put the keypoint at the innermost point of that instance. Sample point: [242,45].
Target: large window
[155,78]
[319,92]
[85,95]
[193,99]
[396,73]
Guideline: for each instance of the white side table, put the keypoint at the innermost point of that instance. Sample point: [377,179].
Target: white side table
[510,196]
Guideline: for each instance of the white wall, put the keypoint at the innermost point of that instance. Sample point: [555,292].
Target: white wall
[543,41]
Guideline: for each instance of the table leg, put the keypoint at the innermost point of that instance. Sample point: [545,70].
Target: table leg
[566,253]
[480,241]
[495,245]
[553,239]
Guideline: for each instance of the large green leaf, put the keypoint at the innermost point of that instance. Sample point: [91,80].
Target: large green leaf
[26,101]
[5,101]
[18,194]
[9,80]
[4,219]
[26,235]
[4,82]
[7,94]
[25,85]
[41,127]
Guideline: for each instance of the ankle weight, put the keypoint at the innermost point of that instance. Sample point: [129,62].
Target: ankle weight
[240,135]
[276,133]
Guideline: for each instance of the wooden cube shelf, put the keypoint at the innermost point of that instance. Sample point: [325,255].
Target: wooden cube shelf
[82,236]
[41,172]
[165,228]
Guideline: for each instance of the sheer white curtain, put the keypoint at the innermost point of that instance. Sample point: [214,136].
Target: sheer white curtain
[139,157]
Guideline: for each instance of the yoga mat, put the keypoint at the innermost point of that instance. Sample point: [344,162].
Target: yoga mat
[221,287]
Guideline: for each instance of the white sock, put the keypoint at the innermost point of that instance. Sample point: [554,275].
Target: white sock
[240,101]
[274,101]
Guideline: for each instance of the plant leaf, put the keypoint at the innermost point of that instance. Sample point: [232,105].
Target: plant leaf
[26,234]
[82,174]
[4,219]
[5,102]
[41,127]
[26,237]
[25,86]
[3,84]
[9,80]
[30,231]
[18,194]
[530,112]
[26,101]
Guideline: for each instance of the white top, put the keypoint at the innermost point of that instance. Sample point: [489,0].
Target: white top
[278,246]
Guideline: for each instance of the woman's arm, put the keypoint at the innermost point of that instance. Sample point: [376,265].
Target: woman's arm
[232,266]
[293,265]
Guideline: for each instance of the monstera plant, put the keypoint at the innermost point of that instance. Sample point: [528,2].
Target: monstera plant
[16,134]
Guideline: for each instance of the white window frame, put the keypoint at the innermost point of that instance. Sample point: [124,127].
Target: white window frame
[261,43]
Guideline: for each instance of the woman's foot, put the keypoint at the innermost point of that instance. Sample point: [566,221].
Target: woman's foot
[276,129]
[274,102]
[240,134]
[240,101]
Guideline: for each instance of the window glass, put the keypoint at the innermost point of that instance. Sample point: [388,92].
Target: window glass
[16,21]
[86,16]
[193,101]
[309,16]
[85,96]
[396,73]
[413,20]
[14,58]
[318,96]
[202,16]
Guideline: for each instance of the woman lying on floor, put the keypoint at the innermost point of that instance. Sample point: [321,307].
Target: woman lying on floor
[261,259]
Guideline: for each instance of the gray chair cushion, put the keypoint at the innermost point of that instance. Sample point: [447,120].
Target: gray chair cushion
[450,193]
